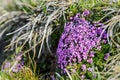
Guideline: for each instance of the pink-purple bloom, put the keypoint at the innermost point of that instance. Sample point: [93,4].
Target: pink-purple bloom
[7,65]
[17,68]
[90,60]
[92,54]
[83,67]
[86,13]
[106,56]
[83,76]
[19,56]
[90,69]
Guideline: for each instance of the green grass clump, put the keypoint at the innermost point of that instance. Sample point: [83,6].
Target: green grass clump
[24,74]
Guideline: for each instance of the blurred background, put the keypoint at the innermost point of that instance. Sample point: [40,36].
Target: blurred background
[3,3]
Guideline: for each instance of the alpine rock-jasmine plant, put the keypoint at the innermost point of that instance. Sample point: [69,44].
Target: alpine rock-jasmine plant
[75,49]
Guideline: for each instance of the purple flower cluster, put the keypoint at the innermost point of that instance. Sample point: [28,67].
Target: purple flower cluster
[17,67]
[77,41]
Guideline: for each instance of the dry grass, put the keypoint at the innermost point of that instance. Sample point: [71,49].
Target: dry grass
[112,68]
[33,29]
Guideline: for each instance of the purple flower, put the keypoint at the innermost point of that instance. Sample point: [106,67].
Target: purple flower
[7,65]
[77,16]
[86,13]
[99,47]
[83,76]
[71,18]
[104,41]
[74,60]
[90,60]
[106,56]
[92,54]
[84,56]
[79,58]
[19,56]
[53,77]
[105,36]
[90,69]
[17,67]
[83,67]
[22,62]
